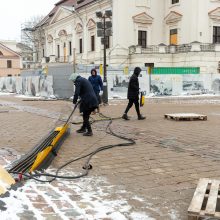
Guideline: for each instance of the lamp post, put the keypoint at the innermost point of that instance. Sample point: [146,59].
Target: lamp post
[104,30]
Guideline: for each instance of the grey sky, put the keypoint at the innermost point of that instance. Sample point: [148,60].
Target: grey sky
[13,13]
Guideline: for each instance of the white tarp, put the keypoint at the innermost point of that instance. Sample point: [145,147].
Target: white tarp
[30,85]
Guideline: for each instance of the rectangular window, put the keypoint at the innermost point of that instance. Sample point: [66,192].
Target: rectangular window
[58,51]
[93,43]
[9,64]
[216,34]
[142,39]
[173,36]
[80,45]
[43,53]
[70,48]
[174,1]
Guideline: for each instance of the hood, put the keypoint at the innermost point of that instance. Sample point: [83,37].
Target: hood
[137,71]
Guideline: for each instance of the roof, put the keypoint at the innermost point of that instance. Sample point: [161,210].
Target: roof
[8,49]
[47,18]
[83,3]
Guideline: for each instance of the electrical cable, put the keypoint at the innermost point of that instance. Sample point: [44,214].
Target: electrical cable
[86,166]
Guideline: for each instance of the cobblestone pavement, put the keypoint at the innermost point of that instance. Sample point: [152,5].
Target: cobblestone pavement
[154,179]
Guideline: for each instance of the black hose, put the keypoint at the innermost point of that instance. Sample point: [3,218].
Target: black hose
[86,166]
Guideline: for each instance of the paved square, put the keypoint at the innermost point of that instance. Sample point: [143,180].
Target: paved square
[153,179]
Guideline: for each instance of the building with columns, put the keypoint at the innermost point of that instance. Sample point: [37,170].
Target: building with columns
[144,31]
[147,33]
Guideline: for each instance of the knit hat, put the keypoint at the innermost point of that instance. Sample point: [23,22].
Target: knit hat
[73,76]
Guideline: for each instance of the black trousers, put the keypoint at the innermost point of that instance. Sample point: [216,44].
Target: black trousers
[86,123]
[130,103]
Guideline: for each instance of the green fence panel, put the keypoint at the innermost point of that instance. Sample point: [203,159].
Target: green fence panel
[176,70]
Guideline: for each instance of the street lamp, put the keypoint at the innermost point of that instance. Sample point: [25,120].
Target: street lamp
[104,30]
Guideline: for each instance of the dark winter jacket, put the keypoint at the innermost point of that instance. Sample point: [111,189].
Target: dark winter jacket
[84,90]
[133,86]
[96,82]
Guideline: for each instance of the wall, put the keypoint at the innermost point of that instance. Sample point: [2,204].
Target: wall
[15,70]
[58,84]
[62,86]
[207,61]
[185,84]
[32,85]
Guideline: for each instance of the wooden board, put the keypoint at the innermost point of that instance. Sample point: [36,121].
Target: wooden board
[6,180]
[185,117]
[205,200]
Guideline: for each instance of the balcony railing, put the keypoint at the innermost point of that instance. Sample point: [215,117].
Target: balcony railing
[63,59]
[207,47]
[151,49]
[182,48]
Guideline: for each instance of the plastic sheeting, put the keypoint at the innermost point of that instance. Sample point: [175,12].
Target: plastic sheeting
[31,85]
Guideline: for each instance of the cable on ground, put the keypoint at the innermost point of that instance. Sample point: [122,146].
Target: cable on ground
[86,166]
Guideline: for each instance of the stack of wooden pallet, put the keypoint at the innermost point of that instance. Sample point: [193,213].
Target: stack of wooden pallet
[185,117]
[205,203]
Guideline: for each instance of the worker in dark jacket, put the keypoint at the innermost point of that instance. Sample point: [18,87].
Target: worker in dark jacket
[133,94]
[97,84]
[88,101]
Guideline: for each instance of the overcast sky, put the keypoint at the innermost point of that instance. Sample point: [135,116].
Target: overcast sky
[14,12]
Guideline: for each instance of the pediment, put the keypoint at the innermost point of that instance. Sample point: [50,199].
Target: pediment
[215,14]
[62,33]
[173,17]
[79,28]
[91,24]
[143,18]
[60,14]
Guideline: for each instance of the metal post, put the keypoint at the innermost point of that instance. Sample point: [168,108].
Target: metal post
[74,60]
[149,69]
[105,84]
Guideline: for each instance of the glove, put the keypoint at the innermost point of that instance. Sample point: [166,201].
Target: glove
[74,102]
[101,93]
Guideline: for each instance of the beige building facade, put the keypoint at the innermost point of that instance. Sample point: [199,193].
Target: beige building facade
[10,62]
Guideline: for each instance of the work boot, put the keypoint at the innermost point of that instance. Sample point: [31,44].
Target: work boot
[125,116]
[81,130]
[141,117]
[88,133]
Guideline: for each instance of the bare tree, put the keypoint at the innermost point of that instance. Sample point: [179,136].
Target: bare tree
[32,35]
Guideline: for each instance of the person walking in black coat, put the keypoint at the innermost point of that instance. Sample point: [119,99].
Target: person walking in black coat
[88,101]
[133,94]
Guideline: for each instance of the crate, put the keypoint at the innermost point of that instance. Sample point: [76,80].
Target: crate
[185,117]
[205,203]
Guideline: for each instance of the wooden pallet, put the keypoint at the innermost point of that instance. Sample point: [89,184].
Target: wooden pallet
[185,117]
[205,203]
